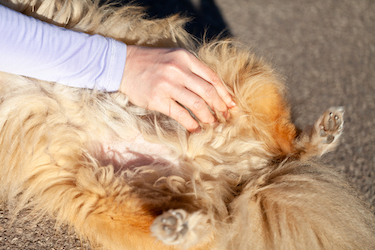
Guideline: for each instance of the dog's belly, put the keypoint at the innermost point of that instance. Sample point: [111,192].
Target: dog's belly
[134,151]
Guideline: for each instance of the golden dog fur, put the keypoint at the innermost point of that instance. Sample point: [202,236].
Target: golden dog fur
[127,178]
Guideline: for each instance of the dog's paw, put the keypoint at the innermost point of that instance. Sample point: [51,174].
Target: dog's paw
[330,124]
[327,130]
[177,227]
[171,226]
[323,136]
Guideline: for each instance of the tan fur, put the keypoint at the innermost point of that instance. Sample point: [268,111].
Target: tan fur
[246,183]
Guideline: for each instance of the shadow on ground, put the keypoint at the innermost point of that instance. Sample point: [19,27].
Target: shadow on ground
[206,18]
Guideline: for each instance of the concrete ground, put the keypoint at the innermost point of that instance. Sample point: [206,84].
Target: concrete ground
[324,48]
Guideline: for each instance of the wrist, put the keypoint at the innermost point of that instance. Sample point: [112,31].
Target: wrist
[129,54]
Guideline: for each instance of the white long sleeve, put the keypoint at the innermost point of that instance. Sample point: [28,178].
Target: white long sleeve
[44,51]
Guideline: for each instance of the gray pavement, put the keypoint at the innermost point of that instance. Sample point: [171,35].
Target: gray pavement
[326,51]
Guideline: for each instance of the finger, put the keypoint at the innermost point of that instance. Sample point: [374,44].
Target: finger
[207,92]
[194,103]
[203,71]
[178,113]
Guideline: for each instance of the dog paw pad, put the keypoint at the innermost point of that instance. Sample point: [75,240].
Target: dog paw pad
[171,226]
[331,124]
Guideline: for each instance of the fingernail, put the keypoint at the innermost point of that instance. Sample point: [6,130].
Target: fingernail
[197,130]
[232,104]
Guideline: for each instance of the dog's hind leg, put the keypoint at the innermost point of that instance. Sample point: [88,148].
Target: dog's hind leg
[186,209]
[323,136]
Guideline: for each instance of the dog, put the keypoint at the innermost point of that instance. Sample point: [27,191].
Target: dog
[127,178]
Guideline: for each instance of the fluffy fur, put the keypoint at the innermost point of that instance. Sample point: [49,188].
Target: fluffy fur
[127,178]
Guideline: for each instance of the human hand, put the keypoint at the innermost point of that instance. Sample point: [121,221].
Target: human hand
[160,78]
